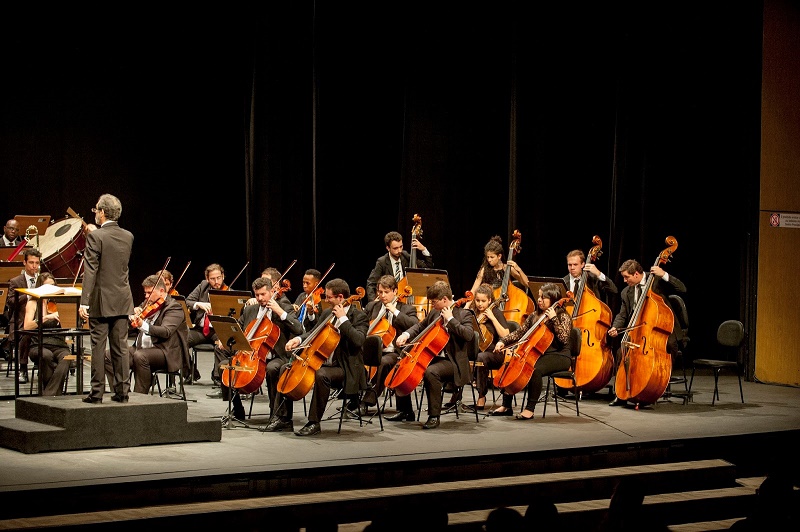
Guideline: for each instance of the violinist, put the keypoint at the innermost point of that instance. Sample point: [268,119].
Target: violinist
[396,261]
[452,362]
[344,367]
[493,268]
[491,323]
[162,341]
[199,304]
[400,316]
[311,279]
[280,314]
[636,280]
[53,368]
[596,280]
[556,357]
[16,303]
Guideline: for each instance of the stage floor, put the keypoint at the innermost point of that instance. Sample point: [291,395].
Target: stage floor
[767,409]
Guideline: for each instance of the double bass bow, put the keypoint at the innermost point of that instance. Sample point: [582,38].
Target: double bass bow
[645,364]
[516,305]
[521,357]
[593,317]
[409,370]
[318,346]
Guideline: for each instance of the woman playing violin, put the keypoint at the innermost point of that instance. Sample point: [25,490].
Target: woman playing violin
[493,268]
[451,364]
[556,357]
[52,366]
[344,367]
[281,315]
[162,341]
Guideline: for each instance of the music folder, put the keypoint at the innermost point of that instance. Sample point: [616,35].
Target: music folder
[230,333]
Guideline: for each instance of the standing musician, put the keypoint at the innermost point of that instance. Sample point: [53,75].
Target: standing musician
[311,279]
[281,314]
[401,316]
[395,261]
[344,367]
[162,342]
[636,281]
[493,268]
[451,364]
[496,325]
[596,280]
[557,356]
[199,305]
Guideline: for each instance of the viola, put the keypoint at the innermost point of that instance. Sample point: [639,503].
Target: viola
[517,369]
[593,317]
[517,305]
[409,370]
[318,346]
[645,365]
[52,308]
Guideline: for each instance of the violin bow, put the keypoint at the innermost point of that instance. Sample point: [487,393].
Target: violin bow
[277,283]
[160,276]
[246,264]
[311,294]
[181,275]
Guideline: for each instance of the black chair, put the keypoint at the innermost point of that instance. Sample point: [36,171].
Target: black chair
[575,350]
[179,393]
[730,338]
[681,332]
[208,347]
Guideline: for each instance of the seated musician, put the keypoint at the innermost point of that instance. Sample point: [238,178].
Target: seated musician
[557,356]
[162,342]
[400,316]
[396,261]
[305,305]
[343,367]
[596,280]
[281,314]
[53,368]
[199,305]
[491,322]
[15,306]
[451,364]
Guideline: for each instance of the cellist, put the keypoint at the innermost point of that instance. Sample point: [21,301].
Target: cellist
[452,362]
[636,280]
[344,367]
[556,357]
[282,316]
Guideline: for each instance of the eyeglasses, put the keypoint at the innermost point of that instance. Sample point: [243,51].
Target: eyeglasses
[96,209]
[12,228]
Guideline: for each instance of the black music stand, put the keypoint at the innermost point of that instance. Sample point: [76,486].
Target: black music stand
[231,335]
[228,302]
[419,279]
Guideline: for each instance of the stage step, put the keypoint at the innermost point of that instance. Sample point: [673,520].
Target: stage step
[65,422]
[364,504]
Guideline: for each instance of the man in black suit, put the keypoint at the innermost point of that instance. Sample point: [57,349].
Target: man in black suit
[106,300]
[11,236]
[636,280]
[596,280]
[199,305]
[396,261]
[15,306]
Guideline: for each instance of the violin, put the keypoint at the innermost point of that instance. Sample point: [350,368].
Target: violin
[315,296]
[148,310]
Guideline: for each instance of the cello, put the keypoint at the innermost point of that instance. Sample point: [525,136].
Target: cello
[485,335]
[409,370]
[645,364]
[593,317]
[252,365]
[318,346]
[517,369]
[516,304]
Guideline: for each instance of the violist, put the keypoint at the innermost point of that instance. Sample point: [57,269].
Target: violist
[199,305]
[556,357]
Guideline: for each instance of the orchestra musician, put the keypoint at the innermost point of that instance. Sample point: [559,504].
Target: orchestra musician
[282,316]
[596,280]
[311,279]
[556,357]
[396,261]
[11,236]
[400,316]
[493,268]
[451,364]
[16,303]
[53,368]
[491,321]
[344,367]
[199,304]
[635,278]
[162,342]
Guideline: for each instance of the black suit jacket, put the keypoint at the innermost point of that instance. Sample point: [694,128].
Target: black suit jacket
[289,328]
[199,294]
[664,289]
[106,289]
[170,334]
[383,266]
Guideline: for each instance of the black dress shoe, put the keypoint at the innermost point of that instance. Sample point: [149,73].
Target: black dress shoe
[93,400]
[279,425]
[506,412]
[309,429]
[401,416]
[239,414]
[432,423]
[618,402]
[119,398]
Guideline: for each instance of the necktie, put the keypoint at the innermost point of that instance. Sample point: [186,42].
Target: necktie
[206,325]
[302,314]
[397,273]
[638,293]
[33,282]
[575,287]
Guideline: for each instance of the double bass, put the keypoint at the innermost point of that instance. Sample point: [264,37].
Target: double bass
[593,317]
[402,285]
[318,346]
[517,369]
[409,370]
[262,335]
[516,305]
[645,364]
